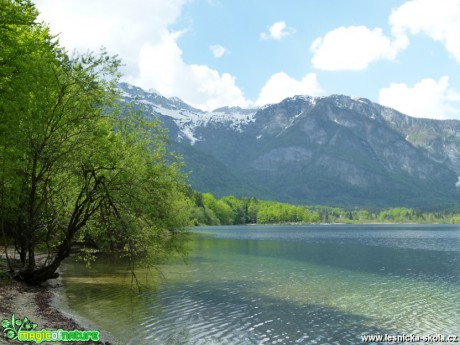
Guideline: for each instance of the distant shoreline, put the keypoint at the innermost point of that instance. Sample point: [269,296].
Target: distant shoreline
[334,223]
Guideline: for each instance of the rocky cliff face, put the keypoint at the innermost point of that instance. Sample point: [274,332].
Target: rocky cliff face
[331,150]
[440,140]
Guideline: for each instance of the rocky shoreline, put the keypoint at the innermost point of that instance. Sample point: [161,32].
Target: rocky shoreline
[45,306]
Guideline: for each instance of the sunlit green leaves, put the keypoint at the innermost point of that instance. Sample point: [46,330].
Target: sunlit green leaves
[75,164]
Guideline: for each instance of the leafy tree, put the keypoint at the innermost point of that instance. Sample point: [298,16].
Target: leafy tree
[72,165]
[221,209]
[315,217]
[252,210]
[238,207]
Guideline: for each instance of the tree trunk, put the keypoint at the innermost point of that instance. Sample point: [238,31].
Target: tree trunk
[42,274]
[38,276]
[86,204]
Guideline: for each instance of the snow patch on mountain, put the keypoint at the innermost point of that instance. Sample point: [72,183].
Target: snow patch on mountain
[186,117]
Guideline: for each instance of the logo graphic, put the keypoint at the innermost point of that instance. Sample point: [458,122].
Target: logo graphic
[24,330]
[13,327]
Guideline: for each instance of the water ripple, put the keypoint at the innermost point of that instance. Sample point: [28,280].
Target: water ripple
[286,292]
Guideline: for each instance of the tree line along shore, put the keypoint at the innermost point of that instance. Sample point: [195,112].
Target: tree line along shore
[228,210]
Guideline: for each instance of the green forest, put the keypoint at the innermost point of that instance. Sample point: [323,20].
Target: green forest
[231,210]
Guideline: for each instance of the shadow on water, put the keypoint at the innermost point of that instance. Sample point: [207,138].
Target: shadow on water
[105,292]
[224,313]
[286,321]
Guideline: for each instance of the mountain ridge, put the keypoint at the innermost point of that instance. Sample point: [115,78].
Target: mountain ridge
[334,150]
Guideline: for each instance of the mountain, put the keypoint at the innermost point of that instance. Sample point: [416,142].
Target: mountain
[333,150]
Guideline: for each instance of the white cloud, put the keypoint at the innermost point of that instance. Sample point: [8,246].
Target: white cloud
[428,98]
[122,27]
[138,31]
[277,31]
[162,68]
[354,48]
[281,86]
[217,50]
[440,20]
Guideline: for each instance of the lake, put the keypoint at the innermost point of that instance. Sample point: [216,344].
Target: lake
[325,284]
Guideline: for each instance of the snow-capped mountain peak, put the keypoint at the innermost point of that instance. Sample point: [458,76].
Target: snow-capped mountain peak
[185,116]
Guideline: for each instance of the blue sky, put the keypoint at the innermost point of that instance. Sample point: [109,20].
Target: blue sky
[211,53]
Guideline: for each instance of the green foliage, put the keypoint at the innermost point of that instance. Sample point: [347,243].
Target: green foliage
[75,165]
[231,210]
[252,211]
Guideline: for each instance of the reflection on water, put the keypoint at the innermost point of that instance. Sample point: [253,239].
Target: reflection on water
[284,285]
